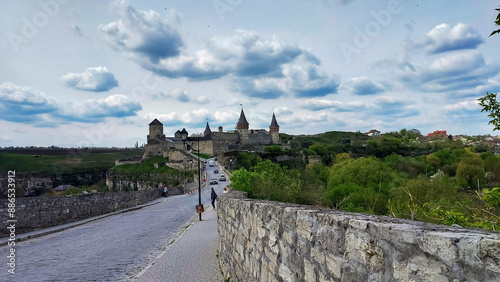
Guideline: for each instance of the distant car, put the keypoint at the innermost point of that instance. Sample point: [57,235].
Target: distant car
[214,181]
[222,177]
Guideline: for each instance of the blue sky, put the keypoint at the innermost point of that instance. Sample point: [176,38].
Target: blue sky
[96,73]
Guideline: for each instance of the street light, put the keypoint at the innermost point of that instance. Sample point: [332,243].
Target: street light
[200,207]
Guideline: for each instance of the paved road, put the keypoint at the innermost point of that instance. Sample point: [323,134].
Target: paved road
[114,248]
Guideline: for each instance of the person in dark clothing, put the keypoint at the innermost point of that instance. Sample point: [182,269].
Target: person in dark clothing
[213,197]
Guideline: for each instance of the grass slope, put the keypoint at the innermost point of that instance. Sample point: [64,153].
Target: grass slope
[51,162]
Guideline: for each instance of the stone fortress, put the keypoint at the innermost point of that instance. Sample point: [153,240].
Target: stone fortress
[211,143]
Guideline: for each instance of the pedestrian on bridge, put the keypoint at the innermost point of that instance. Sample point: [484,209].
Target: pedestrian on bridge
[213,197]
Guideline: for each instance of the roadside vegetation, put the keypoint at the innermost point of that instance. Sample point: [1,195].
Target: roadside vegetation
[401,174]
[49,162]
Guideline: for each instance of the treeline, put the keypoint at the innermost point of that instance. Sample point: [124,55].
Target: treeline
[451,185]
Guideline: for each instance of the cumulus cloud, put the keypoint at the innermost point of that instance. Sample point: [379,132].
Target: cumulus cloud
[389,107]
[245,54]
[260,67]
[93,110]
[143,33]
[24,104]
[454,71]
[226,116]
[297,121]
[467,106]
[321,104]
[281,111]
[443,38]
[177,118]
[364,86]
[301,78]
[98,79]
[308,80]
[264,88]
[177,94]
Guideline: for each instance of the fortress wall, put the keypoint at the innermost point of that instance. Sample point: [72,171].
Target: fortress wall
[259,137]
[270,241]
[41,212]
[230,137]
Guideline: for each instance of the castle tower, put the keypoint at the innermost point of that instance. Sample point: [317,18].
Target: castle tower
[207,131]
[242,127]
[274,131]
[155,132]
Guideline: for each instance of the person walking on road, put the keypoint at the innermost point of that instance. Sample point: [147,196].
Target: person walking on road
[213,197]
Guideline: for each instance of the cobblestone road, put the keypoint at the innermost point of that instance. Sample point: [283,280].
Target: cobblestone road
[114,248]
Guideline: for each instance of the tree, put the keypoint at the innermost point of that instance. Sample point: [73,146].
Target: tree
[489,101]
[490,104]
[434,161]
[470,170]
[497,22]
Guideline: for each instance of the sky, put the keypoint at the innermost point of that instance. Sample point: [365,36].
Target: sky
[96,73]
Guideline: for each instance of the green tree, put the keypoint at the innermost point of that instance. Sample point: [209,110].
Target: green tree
[415,199]
[269,181]
[434,161]
[470,170]
[497,22]
[342,157]
[359,185]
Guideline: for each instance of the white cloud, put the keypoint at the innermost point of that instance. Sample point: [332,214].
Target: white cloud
[364,86]
[443,38]
[454,71]
[143,33]
[97,79]
[471,105]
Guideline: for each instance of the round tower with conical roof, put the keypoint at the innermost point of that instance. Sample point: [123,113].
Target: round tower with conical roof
[242,127]
[274,131]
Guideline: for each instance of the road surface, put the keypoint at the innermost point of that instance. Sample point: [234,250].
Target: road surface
[115,248]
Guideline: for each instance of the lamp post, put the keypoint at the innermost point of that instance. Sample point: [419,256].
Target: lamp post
[199,179]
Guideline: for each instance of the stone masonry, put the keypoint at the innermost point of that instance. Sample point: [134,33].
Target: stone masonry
[34,213]
[270,241]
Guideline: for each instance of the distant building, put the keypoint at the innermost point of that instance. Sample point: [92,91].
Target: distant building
[61,188]
[211,143]
[441,133]
[373,132]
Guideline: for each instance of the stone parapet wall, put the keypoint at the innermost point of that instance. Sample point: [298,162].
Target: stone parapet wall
[34,213]
[269,241]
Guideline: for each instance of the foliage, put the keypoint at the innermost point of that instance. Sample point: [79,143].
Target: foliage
[269,181]
[470,171]
[339,158]
[246,160]
[273,150]
[490,104]
[70,161]
[146,166]
[497,22]
[415,199]
[361,184]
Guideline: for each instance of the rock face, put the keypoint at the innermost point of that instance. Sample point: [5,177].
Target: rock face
[117,181]
[28,181]
[269,241]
